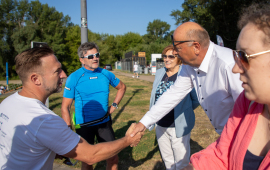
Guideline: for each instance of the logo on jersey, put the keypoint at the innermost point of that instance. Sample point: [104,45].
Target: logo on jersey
[93,78]
[67,88]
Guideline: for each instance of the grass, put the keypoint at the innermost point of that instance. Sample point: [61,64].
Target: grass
[133,106]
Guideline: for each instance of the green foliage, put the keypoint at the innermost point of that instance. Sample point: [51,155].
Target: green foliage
[216,16]
[22,21]
[156,31]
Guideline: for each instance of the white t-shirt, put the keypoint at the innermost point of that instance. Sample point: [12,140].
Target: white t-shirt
[31,134]
[135,67]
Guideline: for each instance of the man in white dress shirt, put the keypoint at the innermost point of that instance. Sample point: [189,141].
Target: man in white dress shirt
[208,69]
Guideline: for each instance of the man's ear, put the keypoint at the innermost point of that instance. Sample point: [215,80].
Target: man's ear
[197,48]
[82,61]
[35,79]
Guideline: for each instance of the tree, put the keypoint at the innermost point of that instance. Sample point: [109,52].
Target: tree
[7,52]
[216,16]
[156,31]
[129,40]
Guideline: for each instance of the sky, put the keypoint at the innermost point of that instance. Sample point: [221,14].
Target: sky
[117,17]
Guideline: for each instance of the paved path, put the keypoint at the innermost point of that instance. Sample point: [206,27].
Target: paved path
[145,77]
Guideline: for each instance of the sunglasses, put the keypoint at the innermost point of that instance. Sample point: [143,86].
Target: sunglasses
[168,56]
[91,56]
[180,41]
[243,57]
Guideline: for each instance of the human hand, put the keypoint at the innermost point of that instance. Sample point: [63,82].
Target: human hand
[139,127]
[135,139]
[111,109]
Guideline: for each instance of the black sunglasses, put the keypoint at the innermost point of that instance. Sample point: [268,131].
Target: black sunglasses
[243,57]
[168,56]
[180,41]
[91,56]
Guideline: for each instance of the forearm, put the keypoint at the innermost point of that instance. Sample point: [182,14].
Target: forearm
[106,150]
[92,154]
[173,96]
[66,115]
[119,95]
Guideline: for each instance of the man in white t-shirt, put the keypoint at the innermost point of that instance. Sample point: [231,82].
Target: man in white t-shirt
[135,70]
[30,133]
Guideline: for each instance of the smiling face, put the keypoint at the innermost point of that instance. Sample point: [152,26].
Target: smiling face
[90,64]
[256,78]
[170,63]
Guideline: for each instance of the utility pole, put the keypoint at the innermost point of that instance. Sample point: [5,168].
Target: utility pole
[84,33]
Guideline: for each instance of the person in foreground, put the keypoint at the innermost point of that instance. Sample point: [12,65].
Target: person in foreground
[31,134]
[207,68]
[245,140]
[89,88]
[173,130]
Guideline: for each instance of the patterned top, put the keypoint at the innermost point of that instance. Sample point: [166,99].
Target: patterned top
[166,82]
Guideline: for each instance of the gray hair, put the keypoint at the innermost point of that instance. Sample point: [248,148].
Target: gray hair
[82,50]
[199,35]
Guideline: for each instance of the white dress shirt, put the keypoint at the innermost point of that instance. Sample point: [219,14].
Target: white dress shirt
[216,86]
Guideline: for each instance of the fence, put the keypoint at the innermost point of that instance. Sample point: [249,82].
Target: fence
[127,64]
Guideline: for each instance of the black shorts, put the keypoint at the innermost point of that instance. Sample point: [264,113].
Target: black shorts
[103,132]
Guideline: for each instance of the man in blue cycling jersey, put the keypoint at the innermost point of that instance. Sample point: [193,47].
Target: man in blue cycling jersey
[89,87]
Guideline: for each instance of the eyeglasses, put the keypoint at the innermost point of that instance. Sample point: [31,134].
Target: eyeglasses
[168,56]
[238,54]
[91,56]
[180,41]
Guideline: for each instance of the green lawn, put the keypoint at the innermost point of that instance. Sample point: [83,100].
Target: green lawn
[133,106]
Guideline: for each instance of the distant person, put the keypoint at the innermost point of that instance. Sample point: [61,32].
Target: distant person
[31,134]
[245,141]
[173,130]
[135,70]
[2,90]
[89,87]
[207,68]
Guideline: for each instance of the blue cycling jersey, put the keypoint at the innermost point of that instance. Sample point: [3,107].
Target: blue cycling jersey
[90,90]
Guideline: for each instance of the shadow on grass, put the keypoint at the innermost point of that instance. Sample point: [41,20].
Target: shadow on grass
[195,147]
[126,159]
[128,101]
[53,104]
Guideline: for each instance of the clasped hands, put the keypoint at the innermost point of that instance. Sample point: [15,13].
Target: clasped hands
[135,133]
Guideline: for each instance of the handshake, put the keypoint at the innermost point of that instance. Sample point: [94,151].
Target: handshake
[135,133]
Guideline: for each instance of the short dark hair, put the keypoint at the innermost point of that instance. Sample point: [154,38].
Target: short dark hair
[85,47]
[170,47]
[259,15]
[30,59]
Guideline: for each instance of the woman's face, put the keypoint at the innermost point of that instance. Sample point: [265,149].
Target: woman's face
[170,63]
[256,78]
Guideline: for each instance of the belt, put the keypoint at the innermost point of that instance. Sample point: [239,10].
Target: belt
[78,126]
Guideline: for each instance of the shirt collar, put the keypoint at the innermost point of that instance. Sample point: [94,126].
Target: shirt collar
[205,63]
[90,71]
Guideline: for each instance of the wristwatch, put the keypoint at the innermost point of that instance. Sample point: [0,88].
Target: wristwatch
[115,105]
